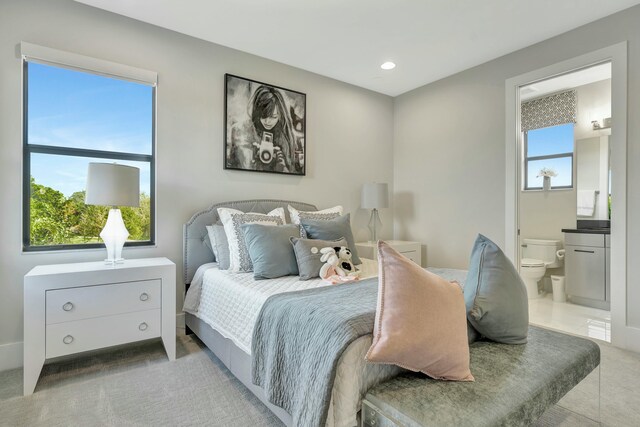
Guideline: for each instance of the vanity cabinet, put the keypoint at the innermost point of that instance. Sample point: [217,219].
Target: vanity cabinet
[607,260]
[587,269]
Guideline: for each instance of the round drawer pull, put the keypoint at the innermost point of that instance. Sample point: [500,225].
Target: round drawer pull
[68,306]
[144,296]
[68,339]
[143,326]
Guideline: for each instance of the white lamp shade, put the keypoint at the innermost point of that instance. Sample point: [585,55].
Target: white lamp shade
[110,184]
[375,195]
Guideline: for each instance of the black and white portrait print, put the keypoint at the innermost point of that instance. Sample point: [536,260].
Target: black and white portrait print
[265,127]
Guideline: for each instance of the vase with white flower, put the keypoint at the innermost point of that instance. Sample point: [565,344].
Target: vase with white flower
[546,174]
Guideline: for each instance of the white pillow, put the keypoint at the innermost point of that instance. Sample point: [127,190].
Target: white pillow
[231,220]
[329,213]
[212,241]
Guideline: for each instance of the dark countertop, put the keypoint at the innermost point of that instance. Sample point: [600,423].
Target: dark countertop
[587,230]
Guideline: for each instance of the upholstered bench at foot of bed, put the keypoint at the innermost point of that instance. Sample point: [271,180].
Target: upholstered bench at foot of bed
[514,385]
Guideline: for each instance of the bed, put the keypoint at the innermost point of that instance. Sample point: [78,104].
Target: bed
[220,309]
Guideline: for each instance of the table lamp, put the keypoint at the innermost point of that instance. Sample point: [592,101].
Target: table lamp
[111,184]
[375,196]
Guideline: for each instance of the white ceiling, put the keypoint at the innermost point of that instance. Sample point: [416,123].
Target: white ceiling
[349,39]
[567,81]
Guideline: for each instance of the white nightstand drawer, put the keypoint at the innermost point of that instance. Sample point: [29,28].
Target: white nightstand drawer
[90,334]
[412,255]
[412,250]
[64,305]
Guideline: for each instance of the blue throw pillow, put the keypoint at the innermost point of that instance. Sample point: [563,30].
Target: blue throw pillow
[332,229]
[270,249]
[495,296]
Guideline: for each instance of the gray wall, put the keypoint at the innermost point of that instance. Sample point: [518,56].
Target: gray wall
[449,148]
[349,132]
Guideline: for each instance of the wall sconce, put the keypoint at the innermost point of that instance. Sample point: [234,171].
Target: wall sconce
[606,124]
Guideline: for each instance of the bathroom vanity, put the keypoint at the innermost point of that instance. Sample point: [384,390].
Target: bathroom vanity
[587,262]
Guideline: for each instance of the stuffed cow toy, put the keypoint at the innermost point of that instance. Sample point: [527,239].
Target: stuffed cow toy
[337,267]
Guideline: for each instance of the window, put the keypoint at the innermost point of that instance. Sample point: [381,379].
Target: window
[73,117]
[549,148]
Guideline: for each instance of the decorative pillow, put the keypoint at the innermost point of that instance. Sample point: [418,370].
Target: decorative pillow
[495,296]
[270,249]
[308,255]
[232,219]
[219,245]
[329,213]
[332,229]
[420,323]
[210,242]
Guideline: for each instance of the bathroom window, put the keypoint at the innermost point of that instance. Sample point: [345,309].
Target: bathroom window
[550,149]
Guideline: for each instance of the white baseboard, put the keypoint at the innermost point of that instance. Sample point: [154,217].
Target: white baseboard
[628,339]
[10,356]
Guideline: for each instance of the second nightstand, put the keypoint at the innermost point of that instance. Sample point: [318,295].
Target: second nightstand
[412,250]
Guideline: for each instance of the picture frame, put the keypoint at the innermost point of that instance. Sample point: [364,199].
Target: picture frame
[265,127]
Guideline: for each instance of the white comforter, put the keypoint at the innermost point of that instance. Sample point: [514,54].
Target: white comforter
[230,303]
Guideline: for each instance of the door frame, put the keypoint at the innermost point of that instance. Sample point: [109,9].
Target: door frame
[622,335]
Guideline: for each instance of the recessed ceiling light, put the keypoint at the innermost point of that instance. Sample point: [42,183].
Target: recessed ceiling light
[388,65]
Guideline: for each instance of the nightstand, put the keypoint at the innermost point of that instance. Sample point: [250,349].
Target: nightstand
[412,250]
[71,308]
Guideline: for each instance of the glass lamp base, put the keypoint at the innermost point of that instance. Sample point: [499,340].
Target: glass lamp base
[374,225]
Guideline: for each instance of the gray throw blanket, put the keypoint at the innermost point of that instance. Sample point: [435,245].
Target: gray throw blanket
[298,340]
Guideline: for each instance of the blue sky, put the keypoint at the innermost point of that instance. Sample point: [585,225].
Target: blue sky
[546,141]
[82,110]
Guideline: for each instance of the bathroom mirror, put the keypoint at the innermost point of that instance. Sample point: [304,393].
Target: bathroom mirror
[592,178]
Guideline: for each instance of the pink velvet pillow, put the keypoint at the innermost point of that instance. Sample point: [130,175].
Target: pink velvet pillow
[421,320]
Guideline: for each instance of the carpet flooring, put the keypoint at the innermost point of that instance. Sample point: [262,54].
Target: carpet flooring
[136,385]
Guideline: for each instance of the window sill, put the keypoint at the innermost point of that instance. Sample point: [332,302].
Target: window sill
[540,190]
[86,250]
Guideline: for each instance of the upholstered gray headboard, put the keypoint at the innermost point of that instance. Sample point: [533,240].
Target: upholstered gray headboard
[196,253]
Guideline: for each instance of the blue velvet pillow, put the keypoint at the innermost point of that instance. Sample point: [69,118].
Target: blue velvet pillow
[270,250]
[332,229]
[495,296]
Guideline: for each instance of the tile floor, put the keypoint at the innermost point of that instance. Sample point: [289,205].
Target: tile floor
[571,318]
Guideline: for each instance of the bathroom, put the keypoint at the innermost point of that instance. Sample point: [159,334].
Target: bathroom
[564,201]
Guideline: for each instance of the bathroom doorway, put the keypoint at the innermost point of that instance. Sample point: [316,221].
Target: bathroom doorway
[564,200]
[620,332]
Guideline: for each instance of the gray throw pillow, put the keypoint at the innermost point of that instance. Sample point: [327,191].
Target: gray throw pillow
[270,249]
[316,215]
[219,245]
[308,258]
[495,296]
[332,229]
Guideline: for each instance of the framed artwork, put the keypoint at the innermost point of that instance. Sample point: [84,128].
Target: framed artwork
[265,127]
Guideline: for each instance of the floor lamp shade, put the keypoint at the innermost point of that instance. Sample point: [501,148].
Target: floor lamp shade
[375,195]
[110,184]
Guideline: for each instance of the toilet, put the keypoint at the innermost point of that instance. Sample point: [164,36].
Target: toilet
[537,256]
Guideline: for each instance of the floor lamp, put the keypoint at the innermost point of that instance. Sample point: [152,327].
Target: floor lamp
[111,184]
[375,196]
